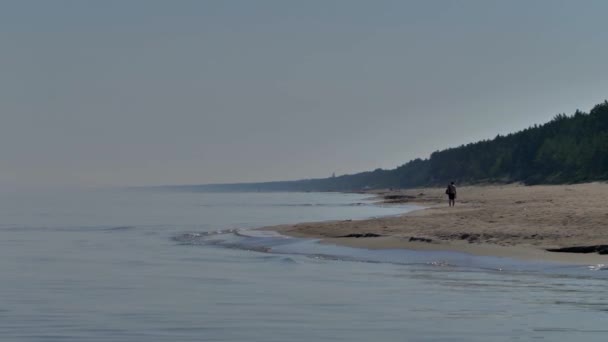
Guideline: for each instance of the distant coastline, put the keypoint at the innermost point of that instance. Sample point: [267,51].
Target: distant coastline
[499,220]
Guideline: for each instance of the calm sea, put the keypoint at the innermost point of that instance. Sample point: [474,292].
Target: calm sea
[120,265]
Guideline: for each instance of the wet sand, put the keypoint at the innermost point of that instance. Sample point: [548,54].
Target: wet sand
[501,220]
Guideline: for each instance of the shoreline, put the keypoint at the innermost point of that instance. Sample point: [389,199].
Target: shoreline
[513,221]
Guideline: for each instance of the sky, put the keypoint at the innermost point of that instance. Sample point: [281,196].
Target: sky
[126,92]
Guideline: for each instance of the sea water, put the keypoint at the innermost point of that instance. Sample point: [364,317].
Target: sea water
[133,265]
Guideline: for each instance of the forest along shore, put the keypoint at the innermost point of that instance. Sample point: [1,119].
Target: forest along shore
[567,223]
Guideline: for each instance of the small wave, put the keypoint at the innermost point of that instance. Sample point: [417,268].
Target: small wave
[288,205]
[68,229]
[287,260]
[264,234]
[274,243]
[598,267]
[198,238]
[440,264]
[327,205]
[119,228]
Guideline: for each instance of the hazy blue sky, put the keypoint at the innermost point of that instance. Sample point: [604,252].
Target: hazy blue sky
[172,92]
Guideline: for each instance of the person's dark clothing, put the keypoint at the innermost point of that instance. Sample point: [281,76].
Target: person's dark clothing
[451,191]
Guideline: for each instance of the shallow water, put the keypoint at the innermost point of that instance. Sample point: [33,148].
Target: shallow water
[167,266]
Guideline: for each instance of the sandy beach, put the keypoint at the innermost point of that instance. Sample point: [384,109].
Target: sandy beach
[501,220]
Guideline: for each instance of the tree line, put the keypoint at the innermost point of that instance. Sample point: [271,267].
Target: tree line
[568,149]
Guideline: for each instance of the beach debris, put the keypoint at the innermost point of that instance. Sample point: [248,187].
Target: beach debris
[364,235]
[599,249]
[469,237]
[420,239]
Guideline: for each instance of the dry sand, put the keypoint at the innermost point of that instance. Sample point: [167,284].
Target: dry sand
[510,220]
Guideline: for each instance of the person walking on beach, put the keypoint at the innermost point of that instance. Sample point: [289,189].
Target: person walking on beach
[451,192]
